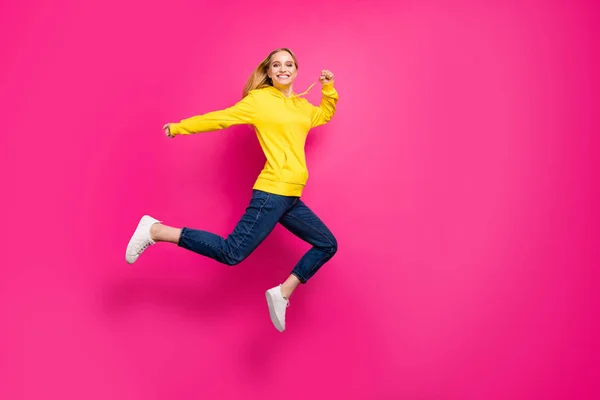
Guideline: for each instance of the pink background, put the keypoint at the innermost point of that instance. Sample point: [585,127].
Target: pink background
[459,176]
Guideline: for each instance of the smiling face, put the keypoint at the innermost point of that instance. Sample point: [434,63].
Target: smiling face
[282,69]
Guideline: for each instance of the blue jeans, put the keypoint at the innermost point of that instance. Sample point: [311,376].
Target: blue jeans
[262,214]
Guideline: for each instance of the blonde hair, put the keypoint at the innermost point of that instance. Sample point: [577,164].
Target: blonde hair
[259,78]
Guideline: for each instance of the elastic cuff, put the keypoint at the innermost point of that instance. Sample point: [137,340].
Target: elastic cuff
[174,128]
[328,89]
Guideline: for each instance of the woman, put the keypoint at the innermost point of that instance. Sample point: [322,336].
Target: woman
[282,120]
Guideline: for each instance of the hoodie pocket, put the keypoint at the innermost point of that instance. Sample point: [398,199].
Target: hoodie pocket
[292,170]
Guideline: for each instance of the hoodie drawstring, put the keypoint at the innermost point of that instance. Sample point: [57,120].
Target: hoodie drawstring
[305,92]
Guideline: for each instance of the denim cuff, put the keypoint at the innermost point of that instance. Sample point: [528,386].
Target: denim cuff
[297,275]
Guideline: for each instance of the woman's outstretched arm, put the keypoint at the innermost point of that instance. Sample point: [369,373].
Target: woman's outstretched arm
[239,114]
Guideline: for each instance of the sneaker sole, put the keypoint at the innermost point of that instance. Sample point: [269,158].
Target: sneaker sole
[272,314]
[127,252]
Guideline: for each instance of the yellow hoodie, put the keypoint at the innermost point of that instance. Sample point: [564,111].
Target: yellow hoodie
[281,124]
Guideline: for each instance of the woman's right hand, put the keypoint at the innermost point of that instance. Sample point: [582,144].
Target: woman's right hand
[167,129]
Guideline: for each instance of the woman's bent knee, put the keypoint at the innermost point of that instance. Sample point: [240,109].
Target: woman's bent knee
[234,257]
[333,248]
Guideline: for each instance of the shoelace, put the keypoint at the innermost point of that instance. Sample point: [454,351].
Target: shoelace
[143,247]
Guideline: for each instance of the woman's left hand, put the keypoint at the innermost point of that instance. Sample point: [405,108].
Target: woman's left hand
[326,77]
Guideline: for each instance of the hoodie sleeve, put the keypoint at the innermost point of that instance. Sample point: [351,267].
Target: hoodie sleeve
[325,111]
[239,114]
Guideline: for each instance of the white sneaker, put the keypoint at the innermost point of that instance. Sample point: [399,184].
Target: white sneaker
[277,305]
[140,240]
